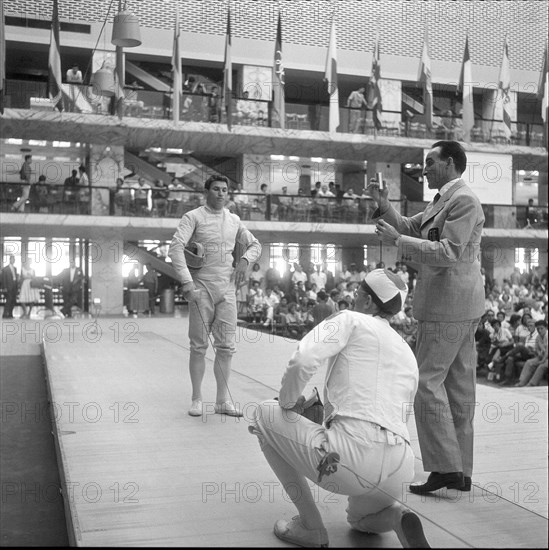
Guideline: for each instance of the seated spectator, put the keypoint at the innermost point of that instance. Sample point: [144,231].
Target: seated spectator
[489,316]
[333,299]
[520,353]
[502,342]
[483,342]
[312,292]
[343,304]
[491,302]
[256,275]
[271,301]
[522,332]
[535,368]
[256,302]
[307,315]
[280,311]
[294,321]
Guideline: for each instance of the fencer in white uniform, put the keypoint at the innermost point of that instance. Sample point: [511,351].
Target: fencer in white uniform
[210,286]
[363,448]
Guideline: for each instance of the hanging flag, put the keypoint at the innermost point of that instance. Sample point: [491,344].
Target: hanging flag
[465,88]
[543,87]
[228,74]
[176,69]
[2,57]
[425,80]
[374,93]
[278,113]
[504,87]
[55,91]
[330,77]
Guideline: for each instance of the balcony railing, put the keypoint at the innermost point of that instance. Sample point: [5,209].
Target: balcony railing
[250,112]
[173,203]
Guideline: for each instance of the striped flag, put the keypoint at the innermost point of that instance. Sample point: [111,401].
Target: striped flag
[425,79]
[278,114]
[176,69]
[2,57]
[504,86]
[330,77]
[465,88]
[55,91]
[374,92]
[228,74]
[543,87]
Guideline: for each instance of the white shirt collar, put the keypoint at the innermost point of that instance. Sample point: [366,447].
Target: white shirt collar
[447,186]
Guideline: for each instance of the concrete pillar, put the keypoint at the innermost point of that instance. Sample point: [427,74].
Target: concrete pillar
[107,282]
[106,164]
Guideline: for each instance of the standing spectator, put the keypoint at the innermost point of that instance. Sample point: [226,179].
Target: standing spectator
[84,191]
[25,174]
[28,295]
[210,290]
[299,274]
[214,108]
[356,102]
[74,75]
[142,197]
[150,282]
[321,310]
[444,241]
[71,280]
[159,198]
[70,192]
[285,205]
[319,277]
[333,300]
[9,281]
[535,368]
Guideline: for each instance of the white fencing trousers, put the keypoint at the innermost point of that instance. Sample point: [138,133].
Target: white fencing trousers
[369,456]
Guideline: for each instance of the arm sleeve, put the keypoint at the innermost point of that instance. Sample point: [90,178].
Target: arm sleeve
[326,340]
[406,226]
[182,236]
[458,228]
[250,245]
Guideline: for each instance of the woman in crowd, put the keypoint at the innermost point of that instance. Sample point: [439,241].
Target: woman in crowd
[28,296]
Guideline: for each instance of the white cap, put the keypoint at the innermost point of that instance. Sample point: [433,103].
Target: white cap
[387,290]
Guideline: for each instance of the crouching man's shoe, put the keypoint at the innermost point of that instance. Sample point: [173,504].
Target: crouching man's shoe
[410,531]
[296,533]
[452,480]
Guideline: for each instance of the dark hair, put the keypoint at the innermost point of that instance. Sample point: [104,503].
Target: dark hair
[344,302]
[211,179]
[455,150]
[27,157]
[541,323]
[495,322]
[321,295]
[42,178]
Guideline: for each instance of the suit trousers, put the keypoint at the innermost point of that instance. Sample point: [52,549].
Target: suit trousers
[444,406]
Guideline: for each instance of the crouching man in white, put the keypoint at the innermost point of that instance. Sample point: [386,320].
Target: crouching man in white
[363,448]
[213,233]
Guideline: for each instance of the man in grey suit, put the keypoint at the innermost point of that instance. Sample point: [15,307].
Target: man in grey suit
[444,242]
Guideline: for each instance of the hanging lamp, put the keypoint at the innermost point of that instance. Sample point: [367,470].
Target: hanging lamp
[125,30]
[103,81]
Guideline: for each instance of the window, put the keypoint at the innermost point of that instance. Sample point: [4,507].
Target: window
[282,254]
[526,258]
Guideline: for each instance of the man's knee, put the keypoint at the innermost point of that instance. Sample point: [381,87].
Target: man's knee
[199,349]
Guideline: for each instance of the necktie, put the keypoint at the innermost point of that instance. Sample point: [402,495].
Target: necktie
[435,200]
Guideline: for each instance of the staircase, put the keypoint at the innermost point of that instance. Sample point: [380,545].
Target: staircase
[134,251]
[140,166]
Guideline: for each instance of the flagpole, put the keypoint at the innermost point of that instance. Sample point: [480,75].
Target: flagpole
[176,90]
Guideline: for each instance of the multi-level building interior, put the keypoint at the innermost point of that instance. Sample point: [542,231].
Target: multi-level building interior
[139,137]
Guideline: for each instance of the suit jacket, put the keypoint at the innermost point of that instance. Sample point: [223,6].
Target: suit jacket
[9,282]
[65,280]
[444,242]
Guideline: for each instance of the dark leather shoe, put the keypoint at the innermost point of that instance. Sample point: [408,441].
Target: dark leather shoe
[435,481]
[466,484]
